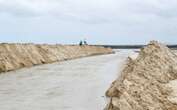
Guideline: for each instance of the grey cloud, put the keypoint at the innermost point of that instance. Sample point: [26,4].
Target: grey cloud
[160,8]
[104,20]
[16,9]
[92,11]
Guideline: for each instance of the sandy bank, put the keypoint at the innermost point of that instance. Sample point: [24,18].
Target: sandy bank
[15,56]
[148,82]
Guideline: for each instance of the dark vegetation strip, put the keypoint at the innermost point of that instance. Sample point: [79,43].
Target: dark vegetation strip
[132,46]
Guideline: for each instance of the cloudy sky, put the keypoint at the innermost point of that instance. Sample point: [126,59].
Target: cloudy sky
[99,21]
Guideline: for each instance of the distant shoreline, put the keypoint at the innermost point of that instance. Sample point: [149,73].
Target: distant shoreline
[131,46]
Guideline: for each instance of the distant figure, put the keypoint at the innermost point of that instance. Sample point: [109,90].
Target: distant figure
[80,43]
[85,42]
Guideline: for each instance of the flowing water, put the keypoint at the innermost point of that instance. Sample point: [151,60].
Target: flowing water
[78,84]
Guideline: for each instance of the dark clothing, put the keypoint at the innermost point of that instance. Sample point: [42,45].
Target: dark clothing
[80,43]
[85,42]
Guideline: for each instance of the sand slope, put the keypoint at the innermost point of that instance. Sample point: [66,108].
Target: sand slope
[15,56]
[147,82]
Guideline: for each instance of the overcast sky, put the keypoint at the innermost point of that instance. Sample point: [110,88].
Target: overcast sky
[99,21]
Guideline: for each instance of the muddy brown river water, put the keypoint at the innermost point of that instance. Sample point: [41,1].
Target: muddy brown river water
[78,84]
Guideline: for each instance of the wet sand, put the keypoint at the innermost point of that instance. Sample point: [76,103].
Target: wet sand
[71,85]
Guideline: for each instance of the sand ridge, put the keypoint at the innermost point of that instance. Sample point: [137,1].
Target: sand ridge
[15,56]
[146,82]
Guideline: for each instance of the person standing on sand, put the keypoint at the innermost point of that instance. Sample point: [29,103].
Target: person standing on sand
[80,43]
[85,42]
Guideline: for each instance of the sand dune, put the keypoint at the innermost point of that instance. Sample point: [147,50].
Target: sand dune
[148,82]
[15,56]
